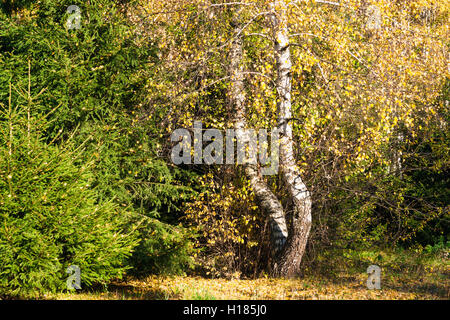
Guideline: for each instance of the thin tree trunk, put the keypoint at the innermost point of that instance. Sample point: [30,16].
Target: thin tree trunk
[265,197]
[300,214]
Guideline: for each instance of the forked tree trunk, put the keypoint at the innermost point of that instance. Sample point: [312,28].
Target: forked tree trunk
[289,245]
[265,197]
[300,214]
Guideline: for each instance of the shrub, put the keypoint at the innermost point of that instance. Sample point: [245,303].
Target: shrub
[50,216]
[97,76]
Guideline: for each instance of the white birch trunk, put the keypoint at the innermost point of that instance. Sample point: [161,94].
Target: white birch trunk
[265,197]
[300,223]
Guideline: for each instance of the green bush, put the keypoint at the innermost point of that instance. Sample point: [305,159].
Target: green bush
[164,249]
[95,82]
[50,216]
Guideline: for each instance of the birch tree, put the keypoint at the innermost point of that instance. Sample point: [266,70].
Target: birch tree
[338,94]
[267,200]
[300,199]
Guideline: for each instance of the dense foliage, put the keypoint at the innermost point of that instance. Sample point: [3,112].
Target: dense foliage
[86,84]
[51,215]
[370,119]
[86,116]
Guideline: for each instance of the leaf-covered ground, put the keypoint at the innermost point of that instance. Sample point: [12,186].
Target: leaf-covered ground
[405,275]
[195,288]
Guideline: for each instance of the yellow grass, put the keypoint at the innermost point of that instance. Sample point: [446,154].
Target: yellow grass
[196,288]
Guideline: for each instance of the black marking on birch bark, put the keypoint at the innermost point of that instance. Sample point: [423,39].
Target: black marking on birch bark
[291,256]
[267,200]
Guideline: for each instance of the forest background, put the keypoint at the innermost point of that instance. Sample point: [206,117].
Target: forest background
[86,116]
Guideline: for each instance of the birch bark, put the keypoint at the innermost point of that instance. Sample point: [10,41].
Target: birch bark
[300,199]
[265,197]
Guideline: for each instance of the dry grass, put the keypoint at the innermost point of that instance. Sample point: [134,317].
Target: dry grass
[196,288]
